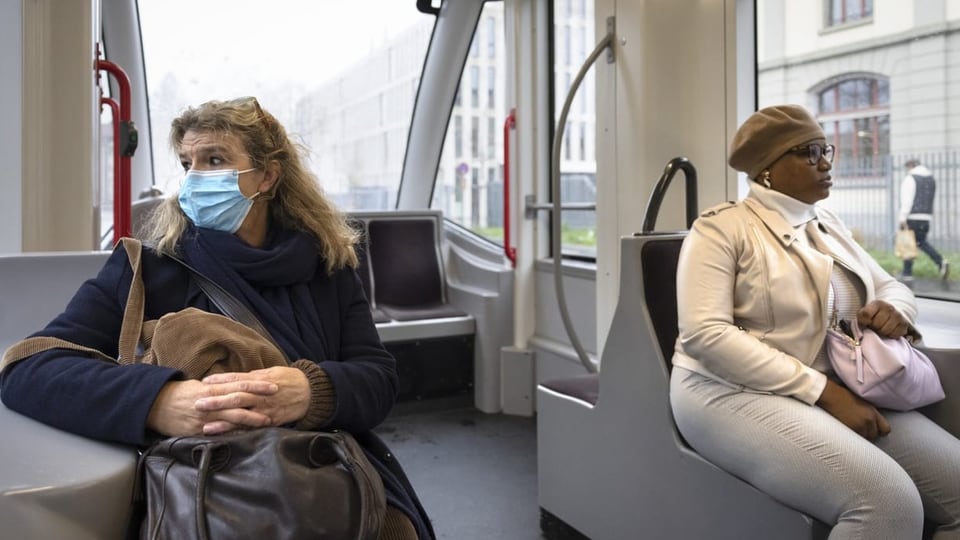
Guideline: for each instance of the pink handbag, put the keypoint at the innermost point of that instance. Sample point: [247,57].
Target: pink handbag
[887,372]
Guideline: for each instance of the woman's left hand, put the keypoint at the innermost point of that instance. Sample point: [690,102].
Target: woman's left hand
[884,319]
[289,404]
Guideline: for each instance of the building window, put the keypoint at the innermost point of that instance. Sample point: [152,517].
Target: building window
[847,11]
[474,86]
[491,87]
[491,37]
[474,137]
[491,137]
[458,136]
[855,114]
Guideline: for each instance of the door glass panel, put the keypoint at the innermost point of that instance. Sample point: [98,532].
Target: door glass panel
[574,39]
[469,187]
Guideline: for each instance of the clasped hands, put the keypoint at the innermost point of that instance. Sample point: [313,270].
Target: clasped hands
[225,402]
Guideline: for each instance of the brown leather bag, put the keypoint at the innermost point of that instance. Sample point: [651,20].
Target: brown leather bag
[271,483]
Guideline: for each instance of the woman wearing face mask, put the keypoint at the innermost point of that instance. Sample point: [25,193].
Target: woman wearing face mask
[752,389]
[250,217]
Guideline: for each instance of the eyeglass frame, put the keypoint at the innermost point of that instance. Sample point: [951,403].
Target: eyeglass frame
[816,152]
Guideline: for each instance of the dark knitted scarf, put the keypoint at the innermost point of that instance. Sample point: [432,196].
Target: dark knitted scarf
[273,281]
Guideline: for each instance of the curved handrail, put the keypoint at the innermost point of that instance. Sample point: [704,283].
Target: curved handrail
[656,197]
[508,124]
[121,184]
[117,167]
[588,364]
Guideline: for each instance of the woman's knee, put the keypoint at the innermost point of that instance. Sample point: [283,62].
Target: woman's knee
[885,502]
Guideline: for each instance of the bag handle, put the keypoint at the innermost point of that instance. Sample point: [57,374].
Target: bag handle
[203,469]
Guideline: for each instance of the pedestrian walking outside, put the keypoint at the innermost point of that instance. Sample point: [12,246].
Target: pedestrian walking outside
[917,191]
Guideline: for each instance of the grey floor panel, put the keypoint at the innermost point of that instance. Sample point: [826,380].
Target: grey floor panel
[475,473]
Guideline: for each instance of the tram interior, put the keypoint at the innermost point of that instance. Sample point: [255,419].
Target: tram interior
[502,426]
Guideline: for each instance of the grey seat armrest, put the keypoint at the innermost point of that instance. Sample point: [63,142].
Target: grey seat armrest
[946,413]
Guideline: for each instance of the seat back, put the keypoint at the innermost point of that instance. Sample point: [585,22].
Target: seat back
[405,261]
[36,287]
[361,247]
[659,258]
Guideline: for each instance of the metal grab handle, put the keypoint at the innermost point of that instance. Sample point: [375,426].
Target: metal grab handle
[508,125]
[656,197]
[604,43]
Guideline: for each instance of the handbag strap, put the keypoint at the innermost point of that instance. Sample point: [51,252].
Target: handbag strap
[228,304]
[225,302]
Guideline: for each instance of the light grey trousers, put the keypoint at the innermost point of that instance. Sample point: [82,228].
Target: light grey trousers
[807,459]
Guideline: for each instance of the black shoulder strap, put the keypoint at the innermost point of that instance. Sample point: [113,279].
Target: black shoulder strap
[228,304]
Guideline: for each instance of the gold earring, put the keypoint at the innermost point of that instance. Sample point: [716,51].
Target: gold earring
[765,179]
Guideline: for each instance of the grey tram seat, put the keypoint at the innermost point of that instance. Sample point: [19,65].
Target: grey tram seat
[611,462]
[402,270]
[54,484]
[403,274]
[408,277]
[35,288]
[364,271]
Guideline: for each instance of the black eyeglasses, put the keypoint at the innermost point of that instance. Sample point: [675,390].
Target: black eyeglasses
[814,152]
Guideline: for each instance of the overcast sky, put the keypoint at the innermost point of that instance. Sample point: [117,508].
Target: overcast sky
[276,50]
[275,37]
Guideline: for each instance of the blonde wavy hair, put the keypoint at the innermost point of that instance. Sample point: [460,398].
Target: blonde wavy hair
[297,201]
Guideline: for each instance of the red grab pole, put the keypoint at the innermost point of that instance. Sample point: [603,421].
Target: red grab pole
[117,169]
[508,125]
[124,145]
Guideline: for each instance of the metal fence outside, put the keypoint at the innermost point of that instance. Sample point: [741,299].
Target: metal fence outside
[866,196]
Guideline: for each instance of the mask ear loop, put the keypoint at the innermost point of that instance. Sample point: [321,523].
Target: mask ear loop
[262,196]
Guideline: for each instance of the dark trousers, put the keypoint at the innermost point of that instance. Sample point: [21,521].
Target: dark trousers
[920,229]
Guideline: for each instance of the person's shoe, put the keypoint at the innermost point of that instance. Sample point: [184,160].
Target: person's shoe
[908,279]
[944,270]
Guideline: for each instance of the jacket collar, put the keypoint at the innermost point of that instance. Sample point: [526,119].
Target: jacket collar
[782,214]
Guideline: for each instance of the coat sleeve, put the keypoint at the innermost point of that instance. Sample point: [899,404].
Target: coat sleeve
[83,395]
[364,374]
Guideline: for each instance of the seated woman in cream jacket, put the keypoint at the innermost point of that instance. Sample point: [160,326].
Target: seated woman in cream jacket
[752,389]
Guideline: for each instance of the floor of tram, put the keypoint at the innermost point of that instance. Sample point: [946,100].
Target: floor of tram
[475,473]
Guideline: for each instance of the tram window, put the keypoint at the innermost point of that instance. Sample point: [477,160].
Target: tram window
[877,76]
[573,35]
[347,97]
[469,188]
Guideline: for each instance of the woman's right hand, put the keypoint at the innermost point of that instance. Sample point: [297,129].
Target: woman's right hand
[174,411]
[855,412]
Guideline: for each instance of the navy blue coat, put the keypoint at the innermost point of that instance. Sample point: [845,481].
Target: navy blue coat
[106,401]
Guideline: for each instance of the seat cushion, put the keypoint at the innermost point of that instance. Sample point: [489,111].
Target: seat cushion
[583,387]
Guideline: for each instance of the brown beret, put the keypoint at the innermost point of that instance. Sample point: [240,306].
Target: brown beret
[768,134]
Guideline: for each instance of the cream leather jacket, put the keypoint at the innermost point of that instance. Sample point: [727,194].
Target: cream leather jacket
[752,298]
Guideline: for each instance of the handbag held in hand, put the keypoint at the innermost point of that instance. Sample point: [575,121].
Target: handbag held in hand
[887,372]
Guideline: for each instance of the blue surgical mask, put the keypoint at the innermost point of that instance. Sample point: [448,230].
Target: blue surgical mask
[212,199]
